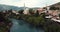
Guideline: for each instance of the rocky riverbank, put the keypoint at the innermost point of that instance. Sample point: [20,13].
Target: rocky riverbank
[47,24]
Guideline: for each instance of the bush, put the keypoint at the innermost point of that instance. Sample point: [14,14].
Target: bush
[5,23]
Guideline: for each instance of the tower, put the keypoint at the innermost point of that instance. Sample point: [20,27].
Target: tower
[47,7]
[26,10]
[24,6]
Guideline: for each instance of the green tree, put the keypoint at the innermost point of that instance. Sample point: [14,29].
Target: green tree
[21,11]
[37,13]
[54,8]
[5,23]
[31,11]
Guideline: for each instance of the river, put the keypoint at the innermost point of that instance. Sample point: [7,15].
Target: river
[21,26]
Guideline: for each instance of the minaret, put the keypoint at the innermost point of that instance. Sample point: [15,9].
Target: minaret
[24,7]
[47,7]
[26,10]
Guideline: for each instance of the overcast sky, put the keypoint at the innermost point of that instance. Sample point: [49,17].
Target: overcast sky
[29,3]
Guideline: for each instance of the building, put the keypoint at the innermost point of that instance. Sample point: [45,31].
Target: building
[40,10]
[26,10]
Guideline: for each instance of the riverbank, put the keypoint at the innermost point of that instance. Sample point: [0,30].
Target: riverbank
[22,26]
[38,21]
[47,24]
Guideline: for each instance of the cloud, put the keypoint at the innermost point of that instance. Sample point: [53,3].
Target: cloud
[57,0]
[29,3]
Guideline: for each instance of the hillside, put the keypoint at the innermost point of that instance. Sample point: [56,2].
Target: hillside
[8,7]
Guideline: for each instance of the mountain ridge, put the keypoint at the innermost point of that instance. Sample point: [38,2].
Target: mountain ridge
[8,7]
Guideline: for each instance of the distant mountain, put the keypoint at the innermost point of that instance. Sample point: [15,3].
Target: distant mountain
[56,4]
[8,7]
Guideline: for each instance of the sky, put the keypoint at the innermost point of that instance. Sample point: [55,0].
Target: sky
[29,3]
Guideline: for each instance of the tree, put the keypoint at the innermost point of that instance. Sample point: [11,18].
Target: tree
[21,11]
[37,13]
[54,8]
[31,11]
[59,15]
[4,22]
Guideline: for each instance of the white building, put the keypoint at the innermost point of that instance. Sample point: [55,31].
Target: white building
[26,10]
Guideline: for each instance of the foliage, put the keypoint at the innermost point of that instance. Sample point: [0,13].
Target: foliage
[52,26]
[54,8]
[21,11]
[39,20]
[5,23]
[31,11]
[59,15]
